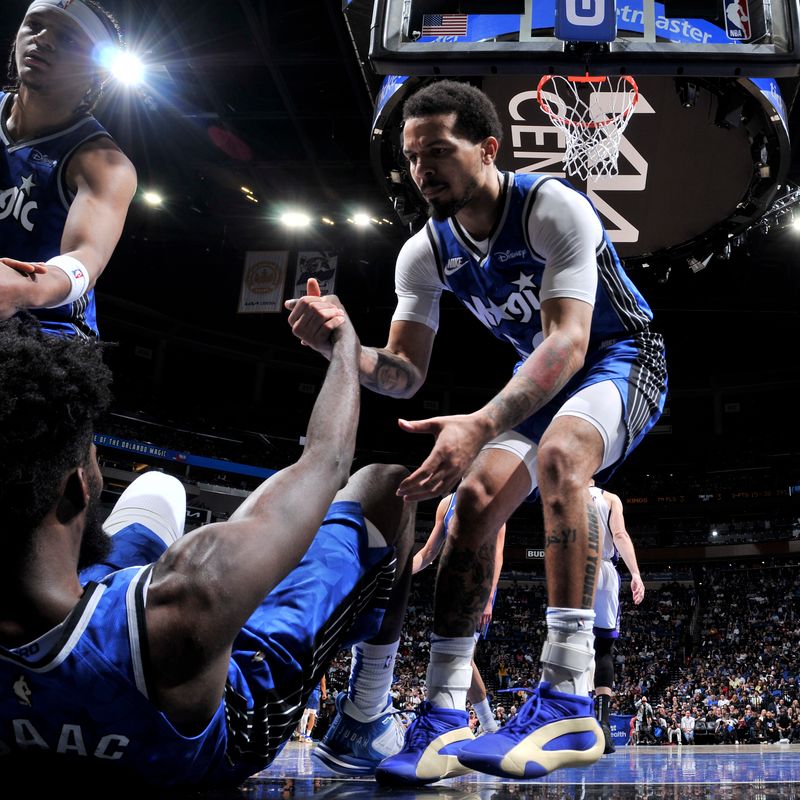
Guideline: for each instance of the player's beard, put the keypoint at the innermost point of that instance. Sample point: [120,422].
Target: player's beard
[95,545]
[442,210]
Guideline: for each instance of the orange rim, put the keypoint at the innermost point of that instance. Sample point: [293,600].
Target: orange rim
[586,79]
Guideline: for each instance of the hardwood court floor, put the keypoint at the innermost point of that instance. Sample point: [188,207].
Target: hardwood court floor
[750,772]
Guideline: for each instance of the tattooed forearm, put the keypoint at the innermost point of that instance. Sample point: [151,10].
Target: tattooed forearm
[463,584]
[386,373]
[592,558]
[545,373]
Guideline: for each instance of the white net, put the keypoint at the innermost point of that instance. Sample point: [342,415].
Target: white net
[592,114]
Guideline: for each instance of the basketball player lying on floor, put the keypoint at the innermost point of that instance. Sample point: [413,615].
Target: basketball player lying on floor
[194,669]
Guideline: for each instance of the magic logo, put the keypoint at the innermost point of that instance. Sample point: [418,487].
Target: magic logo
[16,203]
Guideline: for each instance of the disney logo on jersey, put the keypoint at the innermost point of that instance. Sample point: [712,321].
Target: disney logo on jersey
[15,202]
[42,159]
[454,265]
[507,255]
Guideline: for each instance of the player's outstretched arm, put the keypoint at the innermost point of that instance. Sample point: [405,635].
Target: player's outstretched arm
[624,545]
[459,438]
[205,586]
[105,182]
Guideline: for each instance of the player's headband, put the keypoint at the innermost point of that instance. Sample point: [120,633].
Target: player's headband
[82,15]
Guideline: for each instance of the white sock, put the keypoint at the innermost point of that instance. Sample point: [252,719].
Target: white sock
[303,723]
[568,652]
[450,671]
[485,715]
[371,673]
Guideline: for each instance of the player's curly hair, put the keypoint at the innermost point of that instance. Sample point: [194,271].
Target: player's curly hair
[52,390]
[92,97]
[476,115]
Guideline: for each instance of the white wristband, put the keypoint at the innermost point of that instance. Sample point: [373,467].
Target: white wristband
[78,277]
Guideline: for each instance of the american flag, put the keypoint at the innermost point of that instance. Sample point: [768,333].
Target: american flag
[444,24]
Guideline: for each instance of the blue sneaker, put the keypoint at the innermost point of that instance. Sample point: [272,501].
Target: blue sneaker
[429,754]
[354,746]
[551,730]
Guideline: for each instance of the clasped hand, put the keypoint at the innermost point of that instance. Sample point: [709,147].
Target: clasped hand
[313,318]
[15,279]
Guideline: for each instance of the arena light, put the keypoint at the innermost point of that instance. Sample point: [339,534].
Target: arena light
[361,220]
[295,219]
[153,199]
[328,221]
[127,68]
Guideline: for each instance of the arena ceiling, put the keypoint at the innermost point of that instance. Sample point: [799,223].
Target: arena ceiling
[270,96]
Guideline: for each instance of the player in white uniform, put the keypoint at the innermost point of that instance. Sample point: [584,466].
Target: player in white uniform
[616,543]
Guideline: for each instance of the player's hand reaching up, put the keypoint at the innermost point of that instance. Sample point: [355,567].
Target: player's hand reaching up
[314,318]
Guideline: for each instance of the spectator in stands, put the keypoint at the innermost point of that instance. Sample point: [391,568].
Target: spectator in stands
[687,727]
[771,727]
[644,721]
[674,731]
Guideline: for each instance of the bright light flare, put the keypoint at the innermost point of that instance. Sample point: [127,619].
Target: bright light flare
[153,199]
[126,67]
[361,220]
[295,219]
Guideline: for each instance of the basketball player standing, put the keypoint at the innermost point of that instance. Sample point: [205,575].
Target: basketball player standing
[528,256]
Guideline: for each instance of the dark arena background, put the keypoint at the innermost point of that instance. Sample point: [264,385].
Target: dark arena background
[251,111]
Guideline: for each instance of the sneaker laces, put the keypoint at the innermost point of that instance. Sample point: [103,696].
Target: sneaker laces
[525,713]
[420,730]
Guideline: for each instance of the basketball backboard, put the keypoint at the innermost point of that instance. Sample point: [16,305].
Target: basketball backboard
[729,38]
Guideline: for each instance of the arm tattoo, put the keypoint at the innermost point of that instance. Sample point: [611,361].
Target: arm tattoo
[544,374]
[389,375]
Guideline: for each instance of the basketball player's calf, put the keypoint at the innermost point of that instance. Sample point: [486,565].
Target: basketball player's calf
[604,681]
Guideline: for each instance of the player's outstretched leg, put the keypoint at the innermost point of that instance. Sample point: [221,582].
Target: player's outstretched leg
[366,728]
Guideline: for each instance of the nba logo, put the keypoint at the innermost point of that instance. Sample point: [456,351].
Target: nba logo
[737,20]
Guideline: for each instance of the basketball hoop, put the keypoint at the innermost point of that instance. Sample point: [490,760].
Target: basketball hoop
[592,112]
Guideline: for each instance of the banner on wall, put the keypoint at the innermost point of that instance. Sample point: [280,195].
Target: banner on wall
[315,264]
[263,280]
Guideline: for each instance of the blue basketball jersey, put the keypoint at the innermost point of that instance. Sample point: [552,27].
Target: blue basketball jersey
[501,287]
[80,691]
[34,202]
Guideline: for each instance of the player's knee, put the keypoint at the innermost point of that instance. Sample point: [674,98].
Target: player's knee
[375,488]
[474,509]
[560,471]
